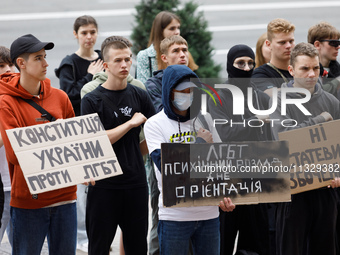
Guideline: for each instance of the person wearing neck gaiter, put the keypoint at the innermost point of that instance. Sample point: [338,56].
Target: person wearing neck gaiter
[251,221]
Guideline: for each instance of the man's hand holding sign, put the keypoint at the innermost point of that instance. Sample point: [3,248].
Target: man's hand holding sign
[64,153]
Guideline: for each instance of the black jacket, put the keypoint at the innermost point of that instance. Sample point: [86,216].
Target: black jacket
[240,132]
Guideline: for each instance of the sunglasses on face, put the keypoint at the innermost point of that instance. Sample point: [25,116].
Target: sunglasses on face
[242,64]
[334,43]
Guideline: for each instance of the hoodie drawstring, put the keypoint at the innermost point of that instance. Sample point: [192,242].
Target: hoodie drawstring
[179,126]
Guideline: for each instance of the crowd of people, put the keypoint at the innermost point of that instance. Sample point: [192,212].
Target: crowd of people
[139,114]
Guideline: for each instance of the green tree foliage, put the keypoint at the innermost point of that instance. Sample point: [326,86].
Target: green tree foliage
[193,29]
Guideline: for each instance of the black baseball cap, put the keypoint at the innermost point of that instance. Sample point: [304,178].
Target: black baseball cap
[28,44]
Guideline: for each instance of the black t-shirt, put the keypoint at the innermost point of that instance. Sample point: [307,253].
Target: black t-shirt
[73,75]
[126,103]
[266,77]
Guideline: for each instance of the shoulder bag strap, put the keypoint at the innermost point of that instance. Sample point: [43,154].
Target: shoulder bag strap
[44,113]
[277,70]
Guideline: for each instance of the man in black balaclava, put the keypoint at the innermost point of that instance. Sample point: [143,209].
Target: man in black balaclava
[240,76]
[250,220]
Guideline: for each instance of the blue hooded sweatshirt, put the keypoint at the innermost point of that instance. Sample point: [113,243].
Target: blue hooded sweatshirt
[172,76]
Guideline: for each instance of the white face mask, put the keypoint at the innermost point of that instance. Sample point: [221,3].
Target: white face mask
[182,101]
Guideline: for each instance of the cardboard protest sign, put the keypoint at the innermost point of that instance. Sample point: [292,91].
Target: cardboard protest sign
[314,155]
[202,174]
[63,153]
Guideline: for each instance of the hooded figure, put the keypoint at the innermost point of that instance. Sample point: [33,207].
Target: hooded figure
[241,79]
[251,221]
[174,124]
[237,76]
[172,76]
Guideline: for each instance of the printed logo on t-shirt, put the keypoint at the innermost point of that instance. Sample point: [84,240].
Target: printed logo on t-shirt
[126,111]
[186,137]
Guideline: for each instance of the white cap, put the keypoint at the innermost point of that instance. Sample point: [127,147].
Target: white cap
[184,85]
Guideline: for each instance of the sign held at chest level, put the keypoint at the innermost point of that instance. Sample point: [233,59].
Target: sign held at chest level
[314,155]
[64,153]
[202,174]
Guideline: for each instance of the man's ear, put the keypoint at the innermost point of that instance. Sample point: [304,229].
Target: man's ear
[164,58]
[21,63]
[317,45]
[105,65]
[75,34]
[291,70]
[268,43]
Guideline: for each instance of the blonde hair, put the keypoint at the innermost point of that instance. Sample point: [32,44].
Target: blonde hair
[321,31]
[279,26]
[167,43]
[259,58]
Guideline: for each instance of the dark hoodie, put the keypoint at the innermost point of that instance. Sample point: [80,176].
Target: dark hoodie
[15,113]
[154,87]
[320,101]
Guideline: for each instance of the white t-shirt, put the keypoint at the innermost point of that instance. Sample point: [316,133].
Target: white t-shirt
[158,129]
[4,170]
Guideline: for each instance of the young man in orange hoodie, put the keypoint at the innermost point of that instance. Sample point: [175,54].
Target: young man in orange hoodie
[53,213]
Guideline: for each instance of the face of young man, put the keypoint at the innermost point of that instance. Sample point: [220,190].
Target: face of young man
[6,68]
[177,55]
[181,100]
[87,36]
[305,71]
[327,52]
[281,46]
[35,66]
[119,63]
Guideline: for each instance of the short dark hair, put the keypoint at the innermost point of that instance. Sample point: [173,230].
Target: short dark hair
[115,42]
[83,21]
[25,56]
[5,56]
[303,49]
